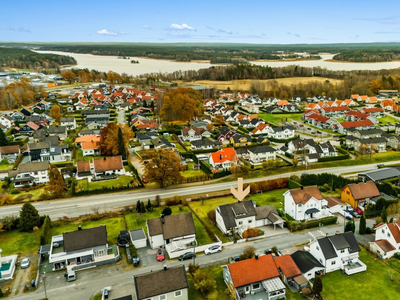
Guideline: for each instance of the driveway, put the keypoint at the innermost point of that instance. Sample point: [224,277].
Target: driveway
[121,116]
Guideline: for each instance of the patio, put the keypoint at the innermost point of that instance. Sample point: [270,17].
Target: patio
[354,267]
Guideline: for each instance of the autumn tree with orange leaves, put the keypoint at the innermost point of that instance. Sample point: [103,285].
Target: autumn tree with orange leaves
[109,138]
[161,166]
[68,76]
[181,104]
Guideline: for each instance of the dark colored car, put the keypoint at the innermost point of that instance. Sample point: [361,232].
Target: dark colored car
[160,255]
[187,255]
[354,214]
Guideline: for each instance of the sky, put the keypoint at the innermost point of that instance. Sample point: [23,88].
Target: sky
[224,21]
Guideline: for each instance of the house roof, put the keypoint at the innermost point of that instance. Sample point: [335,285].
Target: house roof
[137,234]
[395,230]
[352,124]
[40,145]
[87,138]
[67,119]
[85,238]
[363,190]
[338,241]
[385,245]
[32,125]
[253,270]
[197,131]
[327,248]
[83,166]
[383,173]
[160,282]
[302,195]
[4,150]
[261,149]
[305,261]
[287,265]
[237,210]
[173,226]
[223,155]
[332,201]
[108,163]
[34,166]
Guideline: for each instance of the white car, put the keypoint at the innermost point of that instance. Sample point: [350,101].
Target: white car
[213,249]
[25,263]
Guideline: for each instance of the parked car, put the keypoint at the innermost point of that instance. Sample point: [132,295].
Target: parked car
[25,263]
[359,211]
[187,255]
[347,215]
[144,180]
[354,214]
[213,249]
[160,255]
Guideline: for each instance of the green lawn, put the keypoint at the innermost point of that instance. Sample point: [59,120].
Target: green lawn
[192,173]
[274,197]
[372,284]
[15,241]
[122,180]
[78,155]
[5,166]
[278,118]
[387,120]
[35,195]
[114,226]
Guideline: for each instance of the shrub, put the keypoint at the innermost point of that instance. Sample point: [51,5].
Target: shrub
[173,201]
[305,292]
[14,192]
[21,198]
[249,251]
[192,268]
[368,230]
[274,250]
[166,211]
[6,199]
[251,232]
[133,250]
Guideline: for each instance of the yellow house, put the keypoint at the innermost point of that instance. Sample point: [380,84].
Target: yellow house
[358,193]
[240,140]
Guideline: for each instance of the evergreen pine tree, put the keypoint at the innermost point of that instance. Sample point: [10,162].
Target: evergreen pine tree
[317,285]
[121,145]
[384,215]
[28,217]
[349,226]
[138,206]
[3,139]
[363,225]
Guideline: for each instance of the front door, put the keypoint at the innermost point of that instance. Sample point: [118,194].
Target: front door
[247,289]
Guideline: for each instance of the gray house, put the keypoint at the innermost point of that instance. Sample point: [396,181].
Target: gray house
[168,283]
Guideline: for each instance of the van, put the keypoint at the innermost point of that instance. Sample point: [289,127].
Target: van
[71,276]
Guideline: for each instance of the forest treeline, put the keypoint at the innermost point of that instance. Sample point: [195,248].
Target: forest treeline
[27,59]
[367,56]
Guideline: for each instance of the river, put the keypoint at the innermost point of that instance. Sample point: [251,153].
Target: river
[146,65]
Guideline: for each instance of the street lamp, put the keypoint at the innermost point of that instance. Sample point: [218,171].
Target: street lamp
[44,285]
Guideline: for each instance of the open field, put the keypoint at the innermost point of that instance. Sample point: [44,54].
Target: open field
[387,120]
[375,283]
[122,180]
[279,118]
[17,242]
[245,84]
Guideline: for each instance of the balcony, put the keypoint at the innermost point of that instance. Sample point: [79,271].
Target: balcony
[353,267]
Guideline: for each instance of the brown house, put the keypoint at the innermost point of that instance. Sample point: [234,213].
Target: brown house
[357,194]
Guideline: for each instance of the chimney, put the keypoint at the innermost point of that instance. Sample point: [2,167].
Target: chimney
[79,227]
[256,256]
[162,218]
[220,157]
[165,268]
[337,232]
[301,187]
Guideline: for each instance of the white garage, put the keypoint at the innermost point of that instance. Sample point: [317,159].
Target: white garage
[138,238]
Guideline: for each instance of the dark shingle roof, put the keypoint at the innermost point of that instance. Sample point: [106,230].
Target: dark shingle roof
[383,173]
[85,238]
[174,226]
[160,282]
[305,261]
[351,240]
[262,149]
[137,234]
[238,210]
[327,248]
[34,166]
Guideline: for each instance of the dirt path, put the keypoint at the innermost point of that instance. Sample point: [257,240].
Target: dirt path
[22,276]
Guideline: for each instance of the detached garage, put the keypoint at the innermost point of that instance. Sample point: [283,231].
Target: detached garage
[138,238]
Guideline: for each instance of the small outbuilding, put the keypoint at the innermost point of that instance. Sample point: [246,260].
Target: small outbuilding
[138,238]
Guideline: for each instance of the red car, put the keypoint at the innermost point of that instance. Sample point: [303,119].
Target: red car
[359,211]
[160,255]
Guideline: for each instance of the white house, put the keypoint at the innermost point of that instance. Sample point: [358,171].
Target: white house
[223,159]
[387,239]
[261,153]
[31,173]
[308,265]
[68,122]
[285,132]
[194,133]
[174,232]
[306,203]
[338,252]
[7,121]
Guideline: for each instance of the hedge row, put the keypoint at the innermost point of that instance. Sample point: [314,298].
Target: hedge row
[332,158]
[283,141]
[293,225]
[208,230]
[293,184]
[45,233]
[133,169]
[180,142]
[342,151]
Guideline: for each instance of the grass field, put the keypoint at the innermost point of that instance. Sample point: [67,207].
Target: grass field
[279,118]
[375,283]
[192,173]
[245,84]
[122,180]
[387,120]
[17,242]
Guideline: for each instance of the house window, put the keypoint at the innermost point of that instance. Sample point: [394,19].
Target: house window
[333,262]
[342,251]
[317,248]
[250,221]
[163,297]
[178,293]
[383,230]
[300,205]
[256,286]
[388,234]
[320,260]
[240,222]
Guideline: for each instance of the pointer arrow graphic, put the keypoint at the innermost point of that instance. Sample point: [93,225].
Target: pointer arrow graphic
[239,193]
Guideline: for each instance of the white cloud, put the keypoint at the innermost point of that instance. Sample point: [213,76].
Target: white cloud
[181,27]
[107,32]
[147,27]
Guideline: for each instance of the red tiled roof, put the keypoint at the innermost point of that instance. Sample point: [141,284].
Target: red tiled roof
[385,245]
[282,102]
[355,96]
[363,97]
[32,125]
[395,230]
[373,99]
[332,109]
[108,163]
[253,270]
[223,155]
[352,124]
[287,265]
[83,166]
[363,190]
[302,195]
[372,109]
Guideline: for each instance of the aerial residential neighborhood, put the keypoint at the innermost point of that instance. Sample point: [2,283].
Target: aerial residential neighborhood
[159,151]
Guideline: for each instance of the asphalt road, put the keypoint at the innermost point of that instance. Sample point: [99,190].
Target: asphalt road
[91,281]
[77,206]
